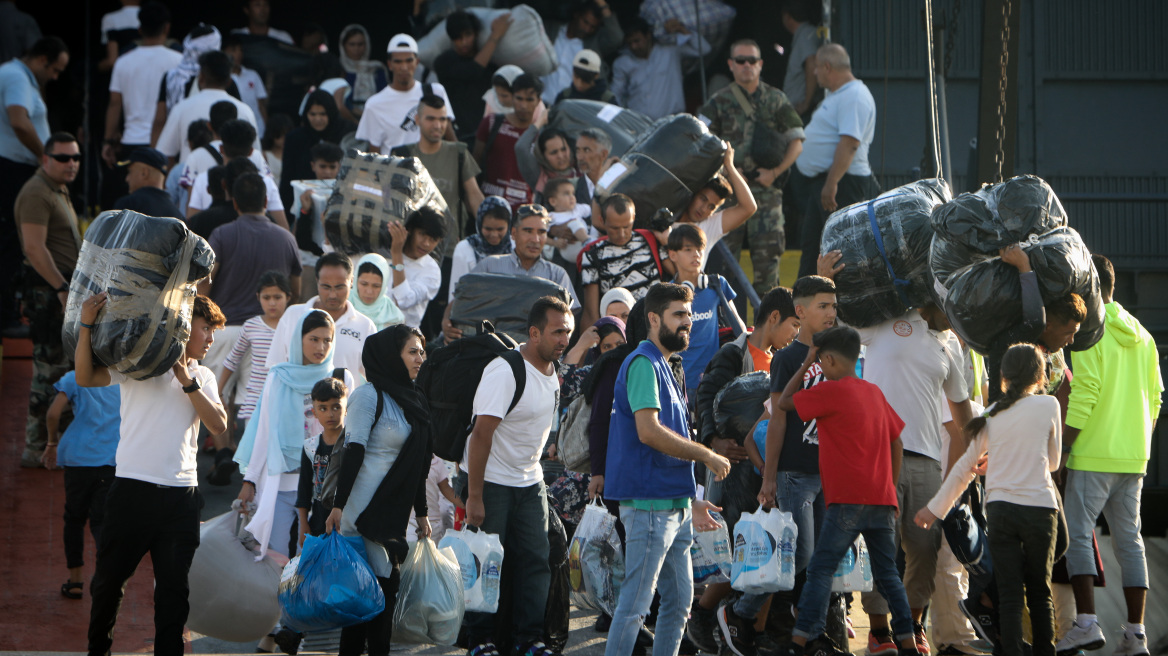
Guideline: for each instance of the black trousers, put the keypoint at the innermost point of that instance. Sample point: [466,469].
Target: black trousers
[85,491]
[143,518]
[851,189]
[13,175]
[377,631]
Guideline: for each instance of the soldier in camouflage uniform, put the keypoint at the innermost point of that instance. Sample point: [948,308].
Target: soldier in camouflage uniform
[727,116]
[51,241]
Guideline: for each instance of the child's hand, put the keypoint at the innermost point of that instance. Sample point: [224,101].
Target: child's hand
[91,306]
[925,518]
[812,355]
[333,521]
[979,467]
[767,493]
[306,201]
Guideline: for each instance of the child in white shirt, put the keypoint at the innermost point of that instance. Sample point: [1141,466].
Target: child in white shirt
[569,230]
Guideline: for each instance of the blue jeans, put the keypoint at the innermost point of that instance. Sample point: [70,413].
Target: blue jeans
[800,494]
[656,557]
[841,524]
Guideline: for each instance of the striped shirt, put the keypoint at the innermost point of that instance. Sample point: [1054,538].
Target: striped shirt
[631,266]
[256,337]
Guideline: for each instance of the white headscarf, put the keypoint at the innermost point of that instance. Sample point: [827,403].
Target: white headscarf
[178,77]
[365,84]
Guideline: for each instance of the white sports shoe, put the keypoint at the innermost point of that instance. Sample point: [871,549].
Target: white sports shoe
[1136,645]
[1087,638]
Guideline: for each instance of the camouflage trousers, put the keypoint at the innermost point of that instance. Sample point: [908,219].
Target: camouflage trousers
[766,237]
[49,362]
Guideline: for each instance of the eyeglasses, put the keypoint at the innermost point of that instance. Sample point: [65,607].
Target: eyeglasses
[66,158]
[747,60]
[533,209]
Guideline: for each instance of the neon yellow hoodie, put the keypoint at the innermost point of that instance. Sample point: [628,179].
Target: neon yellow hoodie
[1115,398]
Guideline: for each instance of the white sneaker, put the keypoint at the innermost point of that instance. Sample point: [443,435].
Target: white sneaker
[1082,637]
[1136,645]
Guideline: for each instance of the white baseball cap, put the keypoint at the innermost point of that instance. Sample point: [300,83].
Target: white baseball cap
[587,60]
[402,43]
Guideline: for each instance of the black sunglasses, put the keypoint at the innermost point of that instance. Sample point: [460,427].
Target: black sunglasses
[747,60]
[66,158]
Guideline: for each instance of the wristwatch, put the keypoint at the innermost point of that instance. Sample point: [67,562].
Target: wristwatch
[398,267]
[193,387]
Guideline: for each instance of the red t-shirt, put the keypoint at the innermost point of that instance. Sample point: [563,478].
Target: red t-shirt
[856,430]
[501,176]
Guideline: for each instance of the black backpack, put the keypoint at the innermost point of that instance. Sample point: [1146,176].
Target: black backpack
[449,379]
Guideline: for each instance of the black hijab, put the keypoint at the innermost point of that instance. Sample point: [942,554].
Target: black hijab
[386,517]
[298,143]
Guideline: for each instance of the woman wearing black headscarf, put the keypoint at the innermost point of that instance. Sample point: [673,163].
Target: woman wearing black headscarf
[320,122]
[383,474]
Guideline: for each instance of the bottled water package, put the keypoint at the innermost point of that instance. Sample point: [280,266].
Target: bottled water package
[854,573]
[764,552]
[480,558]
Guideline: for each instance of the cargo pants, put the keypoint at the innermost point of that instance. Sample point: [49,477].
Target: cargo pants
[49,362]
[766,236]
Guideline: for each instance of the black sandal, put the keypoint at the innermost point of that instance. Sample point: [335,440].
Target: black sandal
[68,587]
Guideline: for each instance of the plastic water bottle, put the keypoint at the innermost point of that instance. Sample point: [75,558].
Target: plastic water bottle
[490,578]
[787,558]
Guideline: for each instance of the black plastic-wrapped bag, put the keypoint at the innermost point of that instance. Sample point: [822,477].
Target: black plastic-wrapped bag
[373,191]
[149,267]
[991,218]
[623,126]
[739,404]
[651,186]
[683,145]
[503,300]
[882,279]
[984,298]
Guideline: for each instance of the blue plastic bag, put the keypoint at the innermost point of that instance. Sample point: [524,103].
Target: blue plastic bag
[332,586]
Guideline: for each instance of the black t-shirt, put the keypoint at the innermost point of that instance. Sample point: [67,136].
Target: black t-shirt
[150,201]
[801,441]
[309,487]
[204,223]
[465,83]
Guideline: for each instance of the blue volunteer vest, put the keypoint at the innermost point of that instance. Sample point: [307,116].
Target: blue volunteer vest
[633,469]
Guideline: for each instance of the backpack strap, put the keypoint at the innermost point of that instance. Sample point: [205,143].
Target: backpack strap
[215,154]
[515,359]
[729,312]
[742,101]
[587,247]
[654,248]
[495,125]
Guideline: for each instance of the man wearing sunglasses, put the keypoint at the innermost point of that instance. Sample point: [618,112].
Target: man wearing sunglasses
[767,136]
[51,241]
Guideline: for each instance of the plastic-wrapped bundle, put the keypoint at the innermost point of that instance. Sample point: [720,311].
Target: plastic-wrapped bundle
[372,191]
[480,557]
[764,556]
[710,554]
[330,585]
[525,45]
[854,573]
[247,609]
[984,298]
[596,561]
[430,604]
[502,300]
[149,266]
[651,186]
[871,289]
[989,219]
[683,144]
[739,404]
[623,126]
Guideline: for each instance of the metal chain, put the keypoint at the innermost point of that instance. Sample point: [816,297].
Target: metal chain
[951,38]
[1000,156]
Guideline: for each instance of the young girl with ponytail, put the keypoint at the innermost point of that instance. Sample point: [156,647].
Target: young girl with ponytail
[1022,433]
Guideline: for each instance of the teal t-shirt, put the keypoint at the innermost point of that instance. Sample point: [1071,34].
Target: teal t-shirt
[641,383]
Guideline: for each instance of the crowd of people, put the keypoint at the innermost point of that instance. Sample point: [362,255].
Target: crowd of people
[301,357]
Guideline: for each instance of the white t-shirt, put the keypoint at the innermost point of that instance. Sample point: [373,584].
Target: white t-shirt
[251,91]
[353,328]
[159,440]
[173,139]
[423,278]
[125,18]
[915,368]
[519,439]
[279,35]
[137,76]
[849,110]
[200,161]
[388,118]
[201,198]
[712,228]
[574,219]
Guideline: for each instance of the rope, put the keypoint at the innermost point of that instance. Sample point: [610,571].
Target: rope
[934,127]
[898,283]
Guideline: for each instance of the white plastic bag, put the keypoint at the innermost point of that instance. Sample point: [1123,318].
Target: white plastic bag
[429,602]
[596,562]
[525,45]
[232,596]
[480,558]
[710,554]
[854,573]
[760,539]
